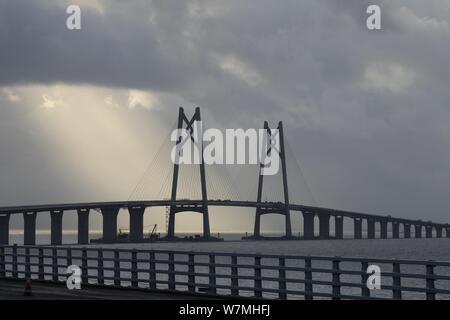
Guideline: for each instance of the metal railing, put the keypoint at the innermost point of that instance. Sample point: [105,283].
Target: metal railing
[230,274]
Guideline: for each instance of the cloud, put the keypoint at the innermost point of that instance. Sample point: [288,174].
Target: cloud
[10,95]
[392,77]
[366,111]
[138,98]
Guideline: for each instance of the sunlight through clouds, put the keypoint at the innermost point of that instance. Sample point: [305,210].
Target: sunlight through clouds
[138,98]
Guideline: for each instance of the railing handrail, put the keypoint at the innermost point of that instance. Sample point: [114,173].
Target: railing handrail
[243,255]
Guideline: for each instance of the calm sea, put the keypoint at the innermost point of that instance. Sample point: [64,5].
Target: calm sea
[419,249]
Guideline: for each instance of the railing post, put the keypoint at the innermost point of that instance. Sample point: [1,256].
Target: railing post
[365,291]
[116,267]
[69,256]
[41,270]
[100,270]
[134,266]
[27,264]
[191,272]
[396,282]
[431,295]
[15,273]
[234,276]
[54,264]
[2,263]
[171,272]
[336,279]
[282,278]
[309,295]
[84,266]
[152,271]
[212,273]
[258,282]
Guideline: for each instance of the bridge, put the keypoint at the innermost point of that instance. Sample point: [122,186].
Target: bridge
[364,224]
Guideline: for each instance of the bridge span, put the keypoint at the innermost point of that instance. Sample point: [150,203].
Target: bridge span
[401,228]
[369,223]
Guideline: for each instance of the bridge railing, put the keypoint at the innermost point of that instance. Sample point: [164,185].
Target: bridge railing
[230,274]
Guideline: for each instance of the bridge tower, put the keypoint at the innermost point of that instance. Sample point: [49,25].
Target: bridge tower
[203,207]
[284,209]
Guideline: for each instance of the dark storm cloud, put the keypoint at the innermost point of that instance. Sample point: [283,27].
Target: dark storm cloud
[111,50]
[367,112]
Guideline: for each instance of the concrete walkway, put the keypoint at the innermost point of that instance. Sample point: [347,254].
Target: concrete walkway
[14,289]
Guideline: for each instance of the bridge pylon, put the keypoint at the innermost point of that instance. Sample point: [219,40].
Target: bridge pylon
[188,124]
[282,209]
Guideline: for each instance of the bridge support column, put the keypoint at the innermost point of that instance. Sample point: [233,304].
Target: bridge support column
[324,226]
[171,225]
[418,230]
[357,226]
[395,229]
[447,232]
[429,231]
[29,226]
[4,229]
[136,223]
[406,230]
[370,228]
[56,227]
[110,223]
[438,232]
[83,226]
[339,227]
[257,226]
[308,225]
[383,229]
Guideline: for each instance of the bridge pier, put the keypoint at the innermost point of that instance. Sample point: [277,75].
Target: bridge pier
[136,223]
[357,226]
[4,229]
[83,226]
[339,227]
[370,228]
[429,231]
[257,226]
[110,223]
[447,232]
[406,230]
[56,227]
[308,225]
[383,229]
[395,229]
[287,224]
[29,228]
[438,232]
[171,225]
[324,226]
[418,230]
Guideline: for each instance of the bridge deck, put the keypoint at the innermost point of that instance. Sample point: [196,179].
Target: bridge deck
[224,203]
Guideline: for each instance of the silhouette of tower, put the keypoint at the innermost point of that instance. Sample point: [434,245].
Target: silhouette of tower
[284,208]
[203,207]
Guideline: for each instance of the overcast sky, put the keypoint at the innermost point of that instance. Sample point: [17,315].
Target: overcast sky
[367,113]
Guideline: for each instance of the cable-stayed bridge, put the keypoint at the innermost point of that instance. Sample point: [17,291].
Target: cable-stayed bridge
[195,188]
